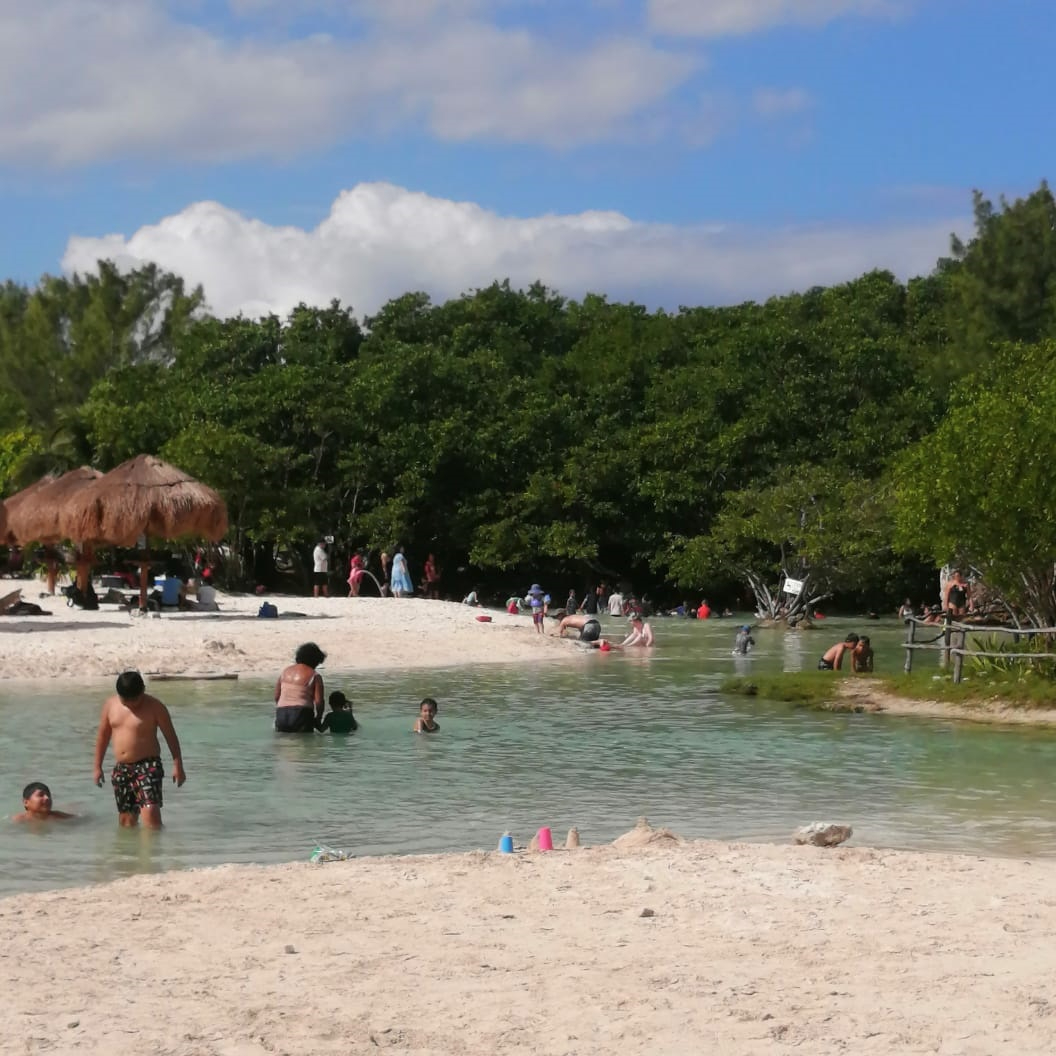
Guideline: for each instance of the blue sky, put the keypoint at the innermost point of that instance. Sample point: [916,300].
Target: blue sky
[670,151]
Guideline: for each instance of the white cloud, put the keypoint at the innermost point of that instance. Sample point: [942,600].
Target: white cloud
[380,241]
[778,102]
[721,18]
[84,80]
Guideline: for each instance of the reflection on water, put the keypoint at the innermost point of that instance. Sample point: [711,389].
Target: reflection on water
[593,742]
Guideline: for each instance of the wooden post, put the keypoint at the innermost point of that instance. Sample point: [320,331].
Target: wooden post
[911,634]
[958,659]
[944,656]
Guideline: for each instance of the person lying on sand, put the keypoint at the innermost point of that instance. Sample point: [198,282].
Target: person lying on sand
[427,717]
[36,804]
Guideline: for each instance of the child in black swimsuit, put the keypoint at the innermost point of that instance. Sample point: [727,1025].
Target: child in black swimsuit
[426,717]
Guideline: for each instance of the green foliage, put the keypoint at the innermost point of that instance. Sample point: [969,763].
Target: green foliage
[1003,286]
[981,490]
[512,431]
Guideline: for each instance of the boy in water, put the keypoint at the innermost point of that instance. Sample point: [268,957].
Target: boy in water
[132,718]
[427,717]
[862,657]
[743,641]
[833,658]
[36,804]
[339,720]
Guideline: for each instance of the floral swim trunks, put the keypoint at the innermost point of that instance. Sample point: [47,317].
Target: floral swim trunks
[138,785]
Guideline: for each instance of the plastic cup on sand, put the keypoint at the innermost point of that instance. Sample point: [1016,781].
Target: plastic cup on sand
[506,843]
[546,839]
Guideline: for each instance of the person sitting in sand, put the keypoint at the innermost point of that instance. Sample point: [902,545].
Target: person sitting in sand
[36,804]
[471,598]
[340,719]
[588,626]
[299,693]
[641,633]
[833,658]
[207,593]
[426,722]
[132,719]
[862,657]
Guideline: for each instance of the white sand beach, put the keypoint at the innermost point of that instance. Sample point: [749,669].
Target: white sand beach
[748,949]
[356,634]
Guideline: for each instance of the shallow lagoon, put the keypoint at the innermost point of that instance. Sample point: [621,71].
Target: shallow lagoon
[593,742]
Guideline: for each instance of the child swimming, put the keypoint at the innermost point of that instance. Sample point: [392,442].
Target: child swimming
[427,717]
[36,804]
[340,719]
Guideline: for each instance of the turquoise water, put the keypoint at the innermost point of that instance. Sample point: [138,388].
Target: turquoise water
[593,742]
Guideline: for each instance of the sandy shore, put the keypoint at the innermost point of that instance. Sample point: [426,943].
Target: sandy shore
[870,696]
[750,949]
[356,634]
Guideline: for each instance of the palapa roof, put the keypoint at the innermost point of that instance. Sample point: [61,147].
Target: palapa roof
[35,514]
[145,497]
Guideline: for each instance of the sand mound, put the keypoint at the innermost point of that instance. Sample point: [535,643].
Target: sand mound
[644,835]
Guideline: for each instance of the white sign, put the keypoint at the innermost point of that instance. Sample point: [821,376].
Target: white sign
[793,586]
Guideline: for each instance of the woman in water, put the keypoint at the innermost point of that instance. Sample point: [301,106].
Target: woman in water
[299,696]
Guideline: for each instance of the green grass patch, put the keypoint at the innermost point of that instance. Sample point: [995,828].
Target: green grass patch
[820,690]
[1023,689]
[804,689]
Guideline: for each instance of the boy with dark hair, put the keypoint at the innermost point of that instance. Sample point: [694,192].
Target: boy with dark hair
[36,804]
[340,719]
[132,718]
[833,658]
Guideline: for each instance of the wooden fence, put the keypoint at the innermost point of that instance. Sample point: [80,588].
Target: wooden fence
[953,637]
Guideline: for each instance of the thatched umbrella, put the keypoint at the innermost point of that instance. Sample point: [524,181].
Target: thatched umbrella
[35,514]
[144,498]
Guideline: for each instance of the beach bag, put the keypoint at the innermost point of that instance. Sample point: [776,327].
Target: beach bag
[267,611]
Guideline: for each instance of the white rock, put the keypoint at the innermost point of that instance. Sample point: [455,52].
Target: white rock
[823,834]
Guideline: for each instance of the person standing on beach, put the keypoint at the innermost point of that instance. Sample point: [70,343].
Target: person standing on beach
[431,575]
[131,719]
[402,587]
[320,570]
[386,570]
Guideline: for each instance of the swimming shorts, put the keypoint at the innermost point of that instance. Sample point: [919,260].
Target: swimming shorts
[320,579]
[825,665]
[137,785]
[294,720]
[590,631]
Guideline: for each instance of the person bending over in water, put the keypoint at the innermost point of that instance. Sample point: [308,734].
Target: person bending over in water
[340,719]
[132,718]
[36,804]
[588,626]
[427,717]
[641,632]
[862,657]
[299,699]
[833,658]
